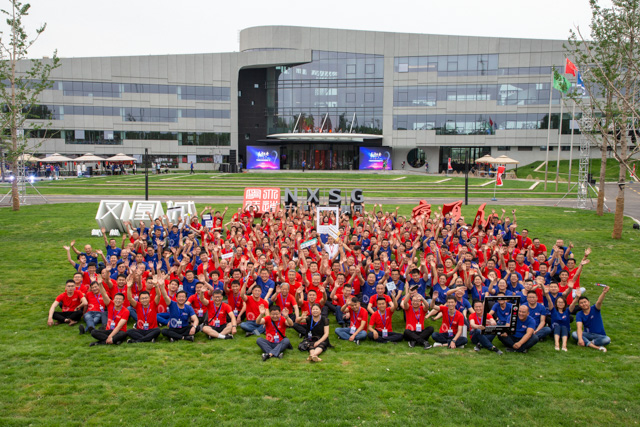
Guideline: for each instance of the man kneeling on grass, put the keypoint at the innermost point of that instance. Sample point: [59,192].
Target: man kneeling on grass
[524,338]
[275,328]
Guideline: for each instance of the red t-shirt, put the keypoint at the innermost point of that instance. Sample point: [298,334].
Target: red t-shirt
[235,302]
[253,311]
[380,322]
[88,278]
[96,303]
[219,313]
[287,302]
[374,301]
[162,306]
[271,329]
[474,317]
[197,305]
[356,319]
[114,290]
[70,303]
[450,321]
[414,317]
[540,249]
[116,316]
[147,315]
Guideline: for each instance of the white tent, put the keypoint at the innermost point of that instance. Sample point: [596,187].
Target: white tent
[56,158]
[89,157]
[121,157]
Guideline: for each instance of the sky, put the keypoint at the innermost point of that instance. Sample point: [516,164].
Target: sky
[80,28]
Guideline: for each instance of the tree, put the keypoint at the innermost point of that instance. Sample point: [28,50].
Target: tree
[23,80]
[609,65]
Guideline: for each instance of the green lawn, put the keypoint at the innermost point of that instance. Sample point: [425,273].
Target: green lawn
[379,185]
[611,173]
[51,376]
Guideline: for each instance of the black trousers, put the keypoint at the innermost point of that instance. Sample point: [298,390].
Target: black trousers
[177,333]
[419,337]
[301,329]
[391,337]
[444,339]
[102,335]
[61,316]
[140,335]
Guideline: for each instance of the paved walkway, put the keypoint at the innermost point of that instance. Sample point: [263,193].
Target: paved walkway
[632,200]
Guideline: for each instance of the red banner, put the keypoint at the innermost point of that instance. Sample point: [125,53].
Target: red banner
[262,199]
[501,170]
[449,167]
[455,208]
[422,208]
[479,219]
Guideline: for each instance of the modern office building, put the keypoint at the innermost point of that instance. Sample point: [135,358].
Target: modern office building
[323,96]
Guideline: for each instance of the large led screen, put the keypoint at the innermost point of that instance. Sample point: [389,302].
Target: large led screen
[263,157]
[375,158]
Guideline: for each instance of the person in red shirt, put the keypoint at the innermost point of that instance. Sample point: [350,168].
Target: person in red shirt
[275,326]
[380,328]
[217,325]
[234,298]
[71,301]
[475,323]
[146,327]
[415,311]
[284,299]
[253,304]
[450,333]
[95,309]
[200,304]
[116,328]
[380,293]
[357,318]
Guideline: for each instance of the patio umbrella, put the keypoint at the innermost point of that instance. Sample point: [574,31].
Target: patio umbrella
[56,158]
[89,157]
[504,160]
[121,157]
[485,159]
[26,157]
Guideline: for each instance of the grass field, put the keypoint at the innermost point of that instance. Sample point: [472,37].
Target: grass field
[51,376]
[611,174]
[374,185]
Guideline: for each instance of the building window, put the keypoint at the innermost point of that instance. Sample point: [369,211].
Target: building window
[416,158]
[403,68]
[544,148]
[525,148]
[370,69]
[351,68]
[566,148]
[504,148]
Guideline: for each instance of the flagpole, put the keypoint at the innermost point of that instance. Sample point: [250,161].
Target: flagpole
[573,118]
[559,140]
[546,162]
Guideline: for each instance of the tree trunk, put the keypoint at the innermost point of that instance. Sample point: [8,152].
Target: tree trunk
[603,170]
[15,194]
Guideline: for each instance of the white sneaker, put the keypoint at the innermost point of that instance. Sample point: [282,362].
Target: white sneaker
[437,344]
[603,349]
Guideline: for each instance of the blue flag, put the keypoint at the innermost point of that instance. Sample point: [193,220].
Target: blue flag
[580,84]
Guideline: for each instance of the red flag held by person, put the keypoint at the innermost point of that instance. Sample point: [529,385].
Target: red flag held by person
[570,68]
[455,208]
[501,170]
[479,219]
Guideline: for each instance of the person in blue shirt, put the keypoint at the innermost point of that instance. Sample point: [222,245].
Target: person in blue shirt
[501,311]
[560,318]
[538,312]
[173,238]
[180,314]
[111,245]
[189,279]
[266,285]
[416,281]
[523,338]
[513,283]
[590,329]
[369,287]
[151,258]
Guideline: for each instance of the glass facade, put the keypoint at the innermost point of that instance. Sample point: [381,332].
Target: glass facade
[462,65]
[335,92]
[126,114]
[501,94]
[115,90]
[109,137]
[480,124]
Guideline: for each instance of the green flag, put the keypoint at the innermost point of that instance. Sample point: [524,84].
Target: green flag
[560,82]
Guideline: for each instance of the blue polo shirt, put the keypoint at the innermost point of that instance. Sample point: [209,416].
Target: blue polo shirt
[265,286]
[521,327]
[591,322]
[179,317]
[535,313]
[504,316]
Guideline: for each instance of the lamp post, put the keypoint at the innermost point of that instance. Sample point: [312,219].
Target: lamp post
[466,177]
[146,174]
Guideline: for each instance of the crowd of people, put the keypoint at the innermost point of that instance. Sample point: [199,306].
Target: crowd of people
[268,276]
